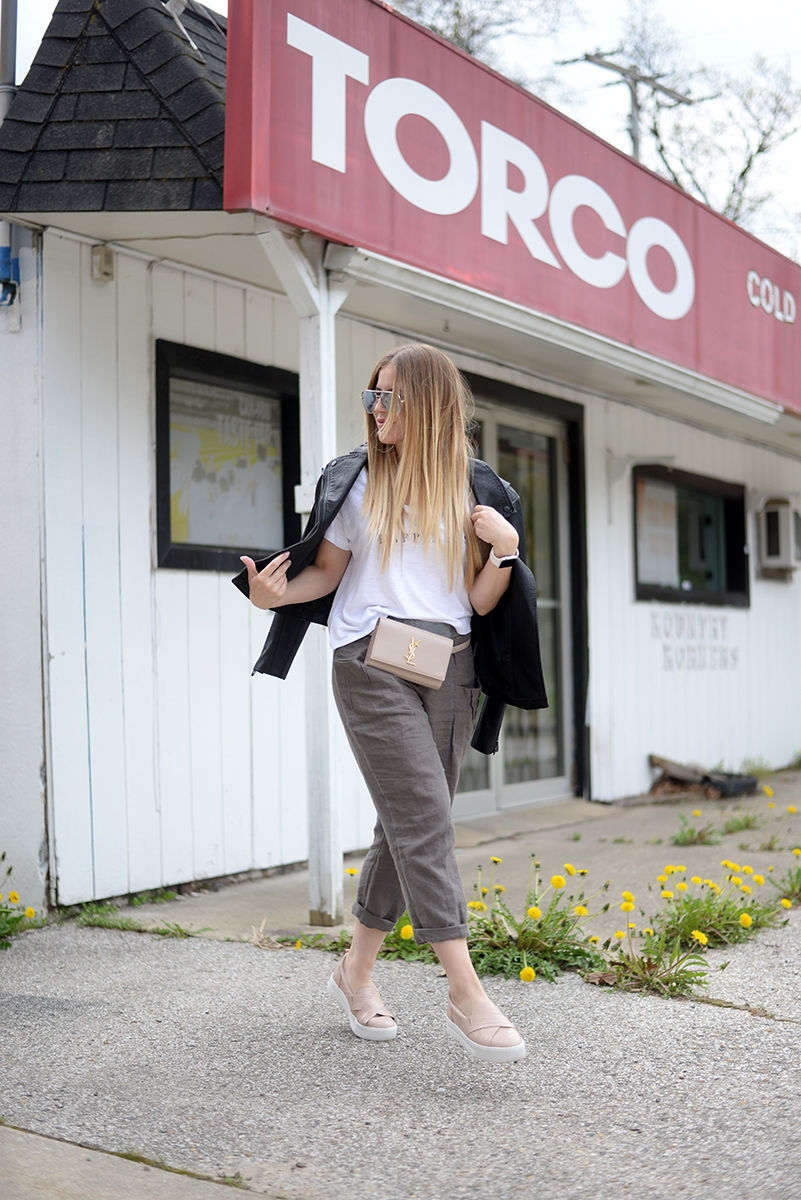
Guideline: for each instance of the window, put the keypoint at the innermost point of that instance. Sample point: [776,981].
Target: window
[227,458]
[690,538]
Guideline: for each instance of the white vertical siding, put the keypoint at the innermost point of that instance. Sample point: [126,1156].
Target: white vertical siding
[640,703]
[168,761]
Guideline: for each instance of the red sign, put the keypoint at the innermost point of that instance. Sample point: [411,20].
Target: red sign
[349,120]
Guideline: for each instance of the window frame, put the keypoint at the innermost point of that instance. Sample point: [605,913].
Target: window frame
[734,534]
[206,366]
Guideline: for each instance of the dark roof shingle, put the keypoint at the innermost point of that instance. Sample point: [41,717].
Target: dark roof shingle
[118,112]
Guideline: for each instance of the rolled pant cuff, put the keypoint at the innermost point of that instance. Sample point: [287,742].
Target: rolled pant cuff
[449,933]
[367,918]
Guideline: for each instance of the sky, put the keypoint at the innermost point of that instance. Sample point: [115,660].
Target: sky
[716,33]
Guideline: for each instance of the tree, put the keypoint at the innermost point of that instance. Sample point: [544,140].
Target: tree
[476,26]
[719,148]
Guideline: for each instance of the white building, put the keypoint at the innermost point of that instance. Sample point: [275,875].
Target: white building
[174,375]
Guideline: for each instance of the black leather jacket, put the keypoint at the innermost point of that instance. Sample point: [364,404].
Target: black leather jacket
[506,647]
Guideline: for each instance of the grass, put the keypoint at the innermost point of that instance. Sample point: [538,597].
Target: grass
[742,823]
[688,835]
[789,885]
[159,896]
[107,916]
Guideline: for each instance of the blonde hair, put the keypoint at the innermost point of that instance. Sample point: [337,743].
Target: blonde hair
[431,473]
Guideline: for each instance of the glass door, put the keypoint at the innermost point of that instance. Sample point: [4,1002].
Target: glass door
[533,764]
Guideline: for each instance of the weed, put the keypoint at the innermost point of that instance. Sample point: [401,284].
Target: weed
[688,835]
[654,841]
[790,883]
[795,763]
[13,916]
[107,916]
[575,836]
[755,766]
[235,1181]
[400,943]
[547,940]
[742,823]
[770,844]
[160,896]
[723,913]
[622,841]
[661,967]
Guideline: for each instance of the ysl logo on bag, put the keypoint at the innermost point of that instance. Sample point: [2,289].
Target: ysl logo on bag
[412,647]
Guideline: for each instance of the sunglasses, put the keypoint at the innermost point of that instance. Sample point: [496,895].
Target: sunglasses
[371,397]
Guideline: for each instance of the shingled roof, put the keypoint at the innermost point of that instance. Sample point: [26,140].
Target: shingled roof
[119,112]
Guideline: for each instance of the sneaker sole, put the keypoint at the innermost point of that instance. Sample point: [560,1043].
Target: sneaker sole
[498,1054]
[369,1032]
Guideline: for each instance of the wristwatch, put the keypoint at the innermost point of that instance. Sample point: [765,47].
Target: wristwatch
[506,561]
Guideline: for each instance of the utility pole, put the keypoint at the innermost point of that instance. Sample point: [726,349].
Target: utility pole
[633,77]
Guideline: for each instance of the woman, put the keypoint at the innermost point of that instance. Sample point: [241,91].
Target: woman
[407,544]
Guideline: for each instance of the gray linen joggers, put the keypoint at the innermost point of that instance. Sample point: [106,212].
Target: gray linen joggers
[409,742]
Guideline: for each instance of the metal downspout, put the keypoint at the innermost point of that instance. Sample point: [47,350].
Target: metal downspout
[8,89]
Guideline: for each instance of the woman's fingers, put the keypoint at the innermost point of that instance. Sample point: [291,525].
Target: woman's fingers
[494,529]
[269,584]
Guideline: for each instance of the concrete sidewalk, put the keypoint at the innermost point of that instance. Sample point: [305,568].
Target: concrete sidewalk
[228,1060]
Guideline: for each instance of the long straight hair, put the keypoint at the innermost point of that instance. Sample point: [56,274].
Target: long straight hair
[431,473]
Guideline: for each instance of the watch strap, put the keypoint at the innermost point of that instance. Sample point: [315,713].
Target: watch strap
[505,561]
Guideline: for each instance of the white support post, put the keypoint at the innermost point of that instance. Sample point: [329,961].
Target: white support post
[316,298]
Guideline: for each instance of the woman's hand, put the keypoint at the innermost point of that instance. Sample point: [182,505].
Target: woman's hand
[268,586]
[495,530]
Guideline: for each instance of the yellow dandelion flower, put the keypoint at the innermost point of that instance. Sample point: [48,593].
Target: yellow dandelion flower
[734,866]
[627,906]
[627,895]
[557,881]
[736,880]
[485,891]
[647,929]
[680,868]
[696,812]
[495,860]
[582,871]
[527,974]
[724,862]
[681,887]
[791,809]
[661,879]
[534,913]
[581,911]
[571,870]
[667,895]
[767,790]
[699,936]
[632,925]
[746,920]
[785,903]
[351,871]
[770,803]
[477,905]
[746,889]
[407,933]
[594,938]
[298,944]
[498,887]
[1,897]
[619,933]
[13,898]
[670,869]
[759,880]
[30,913]
[796,852]
[748,870]
[771,868]
[696,879]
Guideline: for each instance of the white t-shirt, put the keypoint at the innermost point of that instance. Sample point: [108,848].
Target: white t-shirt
[415,584]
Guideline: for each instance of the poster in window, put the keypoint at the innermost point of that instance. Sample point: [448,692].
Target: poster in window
[225,466]
[657,533]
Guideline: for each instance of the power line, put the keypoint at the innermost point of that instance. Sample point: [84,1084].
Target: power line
[633,77]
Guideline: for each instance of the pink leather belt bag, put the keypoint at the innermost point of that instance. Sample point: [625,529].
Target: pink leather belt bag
[410,653]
